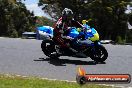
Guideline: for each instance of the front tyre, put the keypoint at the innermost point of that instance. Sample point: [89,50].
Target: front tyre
[98,53]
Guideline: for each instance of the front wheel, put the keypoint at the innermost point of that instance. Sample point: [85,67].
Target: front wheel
[98,53]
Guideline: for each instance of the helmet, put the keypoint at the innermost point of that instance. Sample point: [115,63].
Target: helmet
[67,14]
[84,21]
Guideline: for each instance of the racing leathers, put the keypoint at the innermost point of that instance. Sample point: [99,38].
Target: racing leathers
[61,29]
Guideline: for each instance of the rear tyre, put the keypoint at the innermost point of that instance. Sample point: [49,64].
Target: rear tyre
[98,53]
[48,48]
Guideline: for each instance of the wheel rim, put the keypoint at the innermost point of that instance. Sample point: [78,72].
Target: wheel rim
[99,54]
[47,49]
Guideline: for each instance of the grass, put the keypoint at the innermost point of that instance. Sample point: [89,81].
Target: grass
[8,81]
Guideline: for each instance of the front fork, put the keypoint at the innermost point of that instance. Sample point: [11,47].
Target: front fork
[92,48]
[96,43]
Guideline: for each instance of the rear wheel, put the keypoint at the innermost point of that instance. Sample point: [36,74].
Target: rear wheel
[48,47]
[98,53]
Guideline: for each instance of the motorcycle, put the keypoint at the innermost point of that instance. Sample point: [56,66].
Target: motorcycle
[85,42]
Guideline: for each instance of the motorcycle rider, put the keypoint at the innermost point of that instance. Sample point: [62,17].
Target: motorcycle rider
[62,28]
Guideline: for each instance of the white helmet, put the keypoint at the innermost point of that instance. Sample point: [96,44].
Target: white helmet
[67,13]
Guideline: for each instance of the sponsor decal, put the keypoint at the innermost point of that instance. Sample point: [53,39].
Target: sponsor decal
[83,78]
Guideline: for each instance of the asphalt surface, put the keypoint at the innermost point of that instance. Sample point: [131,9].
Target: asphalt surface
[24,57]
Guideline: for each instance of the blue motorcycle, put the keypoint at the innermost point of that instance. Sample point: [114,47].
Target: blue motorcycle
[83,41]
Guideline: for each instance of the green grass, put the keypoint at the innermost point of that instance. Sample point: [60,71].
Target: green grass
[33,82]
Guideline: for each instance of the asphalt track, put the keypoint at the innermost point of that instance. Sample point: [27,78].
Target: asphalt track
[24,57]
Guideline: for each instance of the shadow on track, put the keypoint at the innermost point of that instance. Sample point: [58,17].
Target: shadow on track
[63,62]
